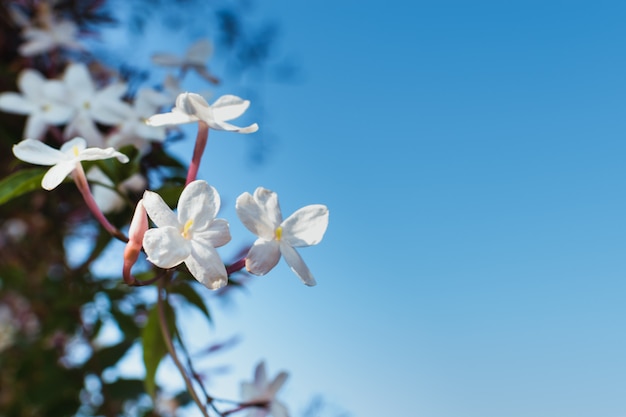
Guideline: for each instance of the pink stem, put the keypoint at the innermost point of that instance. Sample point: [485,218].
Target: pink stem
[83,186]
[198,150]
[240,264]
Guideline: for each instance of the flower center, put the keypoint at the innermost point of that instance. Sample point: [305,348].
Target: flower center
[75,150]
[186,228]
[86,105]
[279,233]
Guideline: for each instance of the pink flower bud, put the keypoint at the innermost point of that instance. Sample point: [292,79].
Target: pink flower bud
[138,227]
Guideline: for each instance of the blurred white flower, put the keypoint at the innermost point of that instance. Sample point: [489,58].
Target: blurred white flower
[103,106]
[195,58]
[43,101]
[261,390]
[107,194]
[64,160]
[50,33]
[133,130]
[191,107]
[262,216]
[191,236]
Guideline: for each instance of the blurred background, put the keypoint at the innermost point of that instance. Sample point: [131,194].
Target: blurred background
[471,155]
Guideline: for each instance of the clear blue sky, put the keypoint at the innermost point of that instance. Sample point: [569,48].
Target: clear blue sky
[472,157]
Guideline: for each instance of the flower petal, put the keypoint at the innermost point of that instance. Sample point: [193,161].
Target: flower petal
[260,375]
[165,246]
[78,80]
[31,83]
[73,147]
[175,117]
[219,125]
[229,107]
[167,60]
[16,103]
[57,174]
[35,127]
[36,152]
[254,217]
[199,52]
[216,235]
[159,212]
[263,256]
[278,409]
[277,383]
[206,266]
[95,154]
[199,202]
[297,265]
[306,226]
[268,200]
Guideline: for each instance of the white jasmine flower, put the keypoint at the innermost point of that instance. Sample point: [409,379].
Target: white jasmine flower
[42,100]
[190,236]
[261,390]
[64,160]
[56,34]
[103,106]
[191,107]
[195,58]
[133,130]
[262,216]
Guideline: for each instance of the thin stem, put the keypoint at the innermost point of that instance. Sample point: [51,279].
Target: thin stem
[167,338]
[236,266]
[198,150]
[83,186]
[243,406]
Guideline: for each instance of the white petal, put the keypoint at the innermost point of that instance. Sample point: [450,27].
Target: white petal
[278,409]
[217,234]
[268,200]
[167,60]
[199,52]
[254,216]
[297,265]
[35,127]
[306,226]
[82,125]
[95,154]
[277,383]
[229,107]
[263,256]
[15,103]
[68,147]
[175,117]
[260,375]
[194,105]
[199,202]
[249,391]
[31,83]
[219,125]
[159,212]
[165,247]
[36,152]
[57,174]
[78,80]
[206,266]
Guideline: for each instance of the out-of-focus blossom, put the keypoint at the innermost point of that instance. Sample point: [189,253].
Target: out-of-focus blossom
[262,216]
[92,105]
[191,107]
[261,390]
[195,58]
[43,101]
[49,34]
[107,194]
[191,236]
[133,130]
[64,160]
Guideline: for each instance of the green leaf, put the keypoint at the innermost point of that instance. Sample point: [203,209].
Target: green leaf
[154,348]
[185,289]
[21,182]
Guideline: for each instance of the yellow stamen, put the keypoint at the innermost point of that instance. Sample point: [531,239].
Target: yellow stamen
[279,233]
[75,150]
[186,228]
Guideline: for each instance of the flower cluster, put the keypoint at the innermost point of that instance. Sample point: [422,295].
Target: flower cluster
[83,121]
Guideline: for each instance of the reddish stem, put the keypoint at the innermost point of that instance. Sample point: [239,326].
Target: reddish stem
[198,150]
[83,186]
[239,265]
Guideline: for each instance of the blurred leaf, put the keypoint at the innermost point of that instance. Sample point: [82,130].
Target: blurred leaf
[110,355]
[185,289]
[21,182]
[154,348]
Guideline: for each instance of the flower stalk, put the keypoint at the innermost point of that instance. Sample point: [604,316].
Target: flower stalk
[198,151]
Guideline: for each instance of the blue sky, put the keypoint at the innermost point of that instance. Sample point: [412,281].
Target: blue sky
[472,158]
